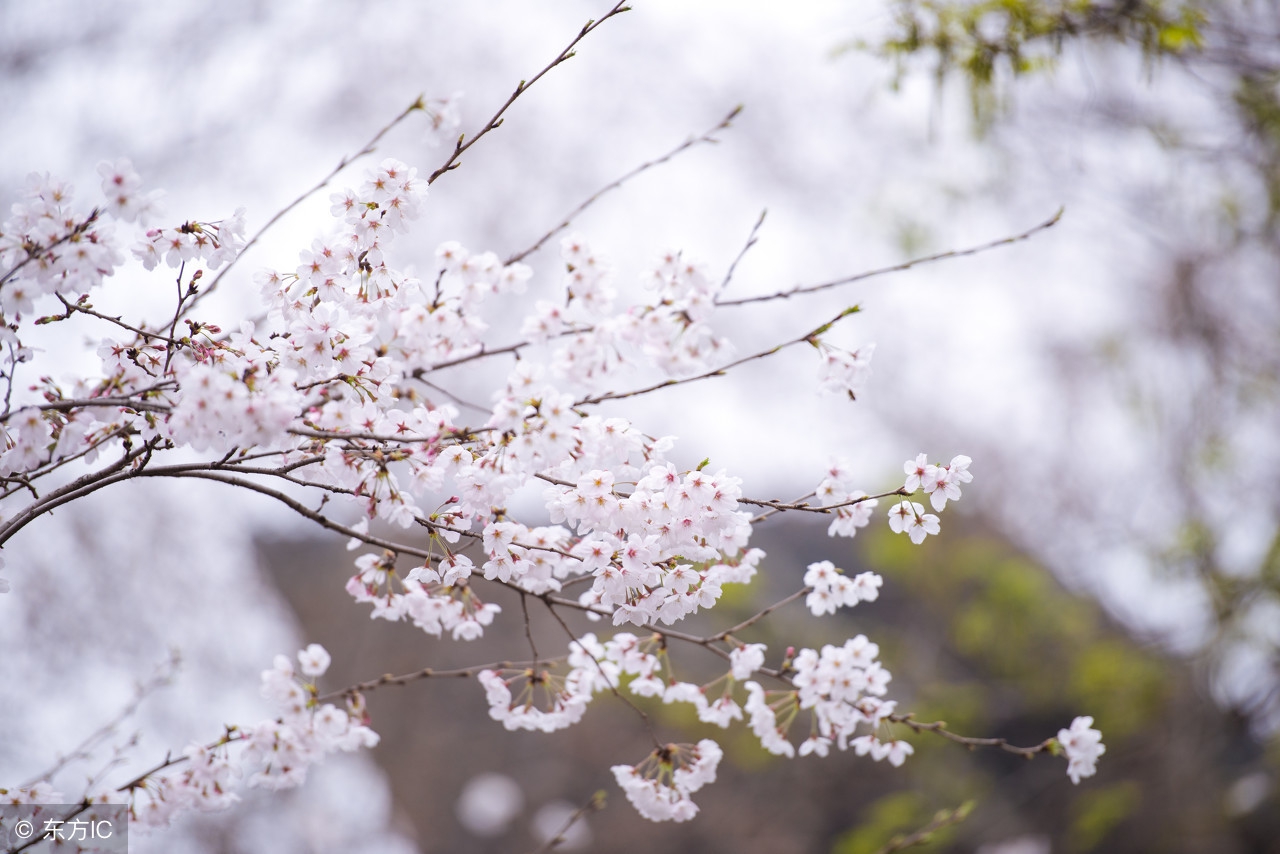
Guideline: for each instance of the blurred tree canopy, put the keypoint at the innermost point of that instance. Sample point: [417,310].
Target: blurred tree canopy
[989,39]
[1195,366]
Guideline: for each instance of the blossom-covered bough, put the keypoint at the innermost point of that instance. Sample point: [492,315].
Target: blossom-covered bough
[334,397]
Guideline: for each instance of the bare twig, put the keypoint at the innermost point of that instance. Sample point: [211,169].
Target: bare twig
[928,259]
[90,402]
[496,120]
[782,506]
[719,372]
[162,677]
[528,626]
[294,505]
[751,241]
[417,675]
[941,819]
[761,614]
[940,728]
[136,330]
[708,137]
[613,687]
[596,804]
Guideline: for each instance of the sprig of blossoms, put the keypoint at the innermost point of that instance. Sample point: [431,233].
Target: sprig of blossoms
[48,246]
[275,753]
[660,786]
[844,371]
[940,483]
[833,589]
[213,243]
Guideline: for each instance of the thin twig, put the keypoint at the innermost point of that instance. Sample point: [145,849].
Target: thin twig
[25,479]
[162,677]
[136,330]
[528,627]
[940,728]
[751,241]
[941,256]
[296,506]
[496,120]
[596,804]
[417,675]
[720,371]
[782,506]
[171,760]
[692,141]
[941,819]
[761,614]
[613,687]
[475,406]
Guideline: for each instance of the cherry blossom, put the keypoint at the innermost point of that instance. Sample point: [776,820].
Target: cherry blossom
[909,517]
[660,786]
[833,589]
[336,391]
[1083,745]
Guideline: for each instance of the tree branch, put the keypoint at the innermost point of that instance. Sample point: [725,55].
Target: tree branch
[928,259]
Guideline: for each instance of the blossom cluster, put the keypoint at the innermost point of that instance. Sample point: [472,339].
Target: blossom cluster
[940,483]
[275,753]
[830,588]
[335,389]
[48,246]
[660,786]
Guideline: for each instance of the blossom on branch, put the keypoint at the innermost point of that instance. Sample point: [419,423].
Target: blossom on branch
[1083,745]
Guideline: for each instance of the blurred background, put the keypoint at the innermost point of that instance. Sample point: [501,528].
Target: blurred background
[1114,379]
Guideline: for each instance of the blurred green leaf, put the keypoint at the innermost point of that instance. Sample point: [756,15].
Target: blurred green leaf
[1097,813]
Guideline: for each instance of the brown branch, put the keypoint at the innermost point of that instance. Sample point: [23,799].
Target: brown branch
[496,120]
[294,505]
[643,167]
[941,819]
[90,402]
[378,437]
[136,330]
[928,259]
[751,241]
[782,506]
[80,487]
[424,673]
[613,688]
[23,480]
[809,336]
[596,804]
[940,728]
[171,760]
